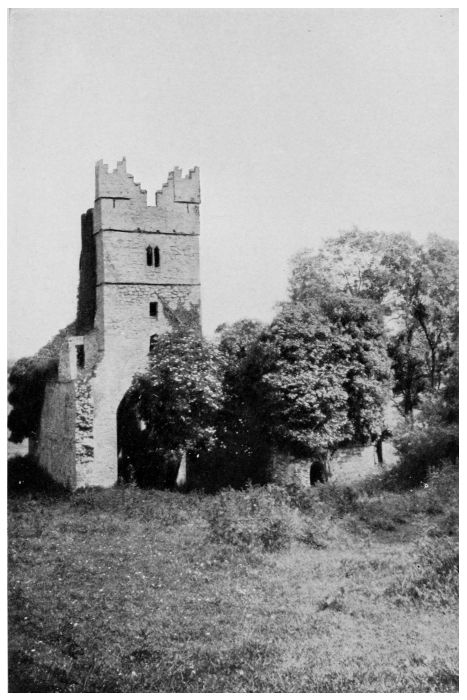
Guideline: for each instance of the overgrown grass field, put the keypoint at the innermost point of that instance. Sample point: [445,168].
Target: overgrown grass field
[334,589]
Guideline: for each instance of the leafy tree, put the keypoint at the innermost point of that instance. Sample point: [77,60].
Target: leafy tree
[28,379]
[314,378]
[172,407]
[244,448]
[432,439]
[300,396]
[425,298]
[350,262]
[324,375]
[416,287]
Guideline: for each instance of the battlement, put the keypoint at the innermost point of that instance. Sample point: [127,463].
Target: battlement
[181,189]
[117,184]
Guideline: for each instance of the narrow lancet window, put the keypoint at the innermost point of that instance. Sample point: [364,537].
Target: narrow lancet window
[80,356]
[153,309]
[157,257]
[149,256]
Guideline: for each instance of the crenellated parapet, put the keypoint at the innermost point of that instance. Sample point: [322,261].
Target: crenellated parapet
[121,204]
[184,190]
[117,184]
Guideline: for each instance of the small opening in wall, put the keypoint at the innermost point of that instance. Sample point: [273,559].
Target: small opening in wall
[153,309]
[157,257]
[149,255]
[80,356]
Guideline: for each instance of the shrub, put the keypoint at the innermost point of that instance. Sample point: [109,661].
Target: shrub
[427,444]
[435,576]
[424,448]
[255,518]
[28,379]
[303,498]
[341,498]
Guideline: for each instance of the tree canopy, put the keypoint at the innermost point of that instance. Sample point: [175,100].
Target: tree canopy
[314,378]
[415,286]
[177,399]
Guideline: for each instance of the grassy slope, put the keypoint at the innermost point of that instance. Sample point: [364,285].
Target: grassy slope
[125,590]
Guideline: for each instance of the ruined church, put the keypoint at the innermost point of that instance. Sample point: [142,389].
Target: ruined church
[139,268]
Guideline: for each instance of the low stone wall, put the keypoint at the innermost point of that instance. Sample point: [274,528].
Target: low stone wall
[354,463]
[55,448]
[286,470]
[347,465]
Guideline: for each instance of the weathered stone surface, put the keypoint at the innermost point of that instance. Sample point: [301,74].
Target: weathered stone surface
[55,449]
[346,465]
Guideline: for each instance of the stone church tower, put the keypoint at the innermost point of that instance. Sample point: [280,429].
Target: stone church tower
[139,270]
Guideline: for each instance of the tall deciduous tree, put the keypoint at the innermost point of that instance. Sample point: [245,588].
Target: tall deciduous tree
[245,447]
[316,376]
[416,287]
[425,297]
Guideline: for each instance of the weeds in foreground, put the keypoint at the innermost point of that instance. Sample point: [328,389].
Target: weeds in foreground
[263,590]
[432,578]
[253,518]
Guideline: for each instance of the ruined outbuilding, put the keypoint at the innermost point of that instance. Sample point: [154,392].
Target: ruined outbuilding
[139,269]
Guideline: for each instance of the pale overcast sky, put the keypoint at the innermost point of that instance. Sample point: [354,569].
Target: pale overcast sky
[303,123]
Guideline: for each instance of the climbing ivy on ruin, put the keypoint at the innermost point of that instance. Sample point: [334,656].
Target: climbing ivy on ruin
[27,381]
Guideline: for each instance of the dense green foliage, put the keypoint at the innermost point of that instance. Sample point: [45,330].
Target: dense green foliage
[27,379]
[415,285]
[173,406]
[244,448]
[428,442]
[323,375]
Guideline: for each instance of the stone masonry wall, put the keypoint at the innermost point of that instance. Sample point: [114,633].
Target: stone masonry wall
[121,257]
[55,449]
[346,465]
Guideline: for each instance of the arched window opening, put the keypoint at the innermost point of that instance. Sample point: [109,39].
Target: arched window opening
[157,257]
[153,309]
[149,256]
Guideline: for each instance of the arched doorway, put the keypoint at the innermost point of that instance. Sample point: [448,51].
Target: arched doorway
[319,469]
[139,461]
[130,441]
